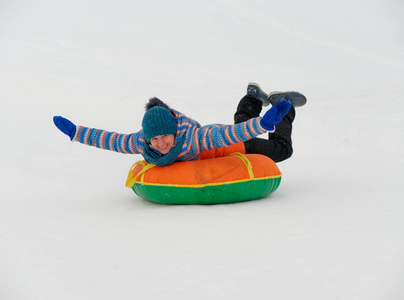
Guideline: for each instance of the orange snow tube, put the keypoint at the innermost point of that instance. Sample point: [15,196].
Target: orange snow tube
[228,179]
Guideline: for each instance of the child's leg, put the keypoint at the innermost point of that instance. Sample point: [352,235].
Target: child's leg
[278,146]
[248,108]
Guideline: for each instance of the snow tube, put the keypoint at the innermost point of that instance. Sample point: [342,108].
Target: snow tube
[228,179]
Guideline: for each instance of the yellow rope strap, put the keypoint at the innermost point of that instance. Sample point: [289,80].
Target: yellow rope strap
[132,179]
[246,162]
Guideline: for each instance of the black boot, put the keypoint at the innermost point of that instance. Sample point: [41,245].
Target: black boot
[295,98]
[255,91]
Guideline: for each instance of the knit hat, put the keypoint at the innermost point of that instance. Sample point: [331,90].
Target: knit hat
[158,121]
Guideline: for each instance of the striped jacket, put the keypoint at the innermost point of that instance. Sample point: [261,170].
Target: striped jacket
[197,138]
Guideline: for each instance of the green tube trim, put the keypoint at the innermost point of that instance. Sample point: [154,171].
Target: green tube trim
[208,194]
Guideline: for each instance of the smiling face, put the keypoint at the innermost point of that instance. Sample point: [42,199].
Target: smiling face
[163,143]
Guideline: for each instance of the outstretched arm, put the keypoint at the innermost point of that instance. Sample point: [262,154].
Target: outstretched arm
[122,143]
[217,136]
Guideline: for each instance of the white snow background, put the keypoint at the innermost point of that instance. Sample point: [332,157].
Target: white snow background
[70,229]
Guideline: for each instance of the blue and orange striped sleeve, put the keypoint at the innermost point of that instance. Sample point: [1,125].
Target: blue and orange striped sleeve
[218,136]
[123,143]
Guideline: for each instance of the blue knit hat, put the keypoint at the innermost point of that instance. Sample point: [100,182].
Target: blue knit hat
[158,121]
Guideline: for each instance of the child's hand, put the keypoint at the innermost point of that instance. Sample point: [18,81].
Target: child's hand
[65,126]
[274,115]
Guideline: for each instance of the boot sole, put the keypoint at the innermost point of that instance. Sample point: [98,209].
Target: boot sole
[295,98]
[266,103]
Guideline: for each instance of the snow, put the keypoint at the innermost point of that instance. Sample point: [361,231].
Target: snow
[69,229]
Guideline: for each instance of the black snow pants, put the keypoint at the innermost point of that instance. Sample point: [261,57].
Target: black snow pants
[278,146]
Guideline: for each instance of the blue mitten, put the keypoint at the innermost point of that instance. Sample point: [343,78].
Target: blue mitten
[65,126]
[274,115]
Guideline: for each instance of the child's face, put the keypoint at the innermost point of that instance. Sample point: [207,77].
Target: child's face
[163,143]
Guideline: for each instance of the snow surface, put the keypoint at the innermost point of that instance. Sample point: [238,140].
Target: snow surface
[69,229]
